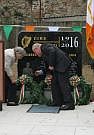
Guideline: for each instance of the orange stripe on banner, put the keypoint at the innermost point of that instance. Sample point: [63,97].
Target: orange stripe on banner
[90,39]
[29,28]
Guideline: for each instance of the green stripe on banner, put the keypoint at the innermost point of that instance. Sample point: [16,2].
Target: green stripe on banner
[7,30]
[77,28]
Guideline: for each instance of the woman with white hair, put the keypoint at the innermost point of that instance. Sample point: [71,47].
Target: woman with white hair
[11,57]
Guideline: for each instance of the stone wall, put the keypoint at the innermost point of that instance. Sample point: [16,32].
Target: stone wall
[28,10]
[55,8]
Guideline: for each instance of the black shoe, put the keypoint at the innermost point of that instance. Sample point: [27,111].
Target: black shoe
[11,104]
[0,106]
[67,107]
[93,111]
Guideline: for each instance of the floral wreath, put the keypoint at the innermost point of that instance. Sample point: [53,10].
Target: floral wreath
[24,79]
[74,81]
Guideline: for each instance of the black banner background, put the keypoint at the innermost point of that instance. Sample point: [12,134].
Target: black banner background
[70,42]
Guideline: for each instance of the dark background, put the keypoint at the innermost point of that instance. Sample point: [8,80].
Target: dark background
[54,38]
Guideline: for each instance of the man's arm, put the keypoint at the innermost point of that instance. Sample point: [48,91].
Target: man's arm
[8,68]
[51,57]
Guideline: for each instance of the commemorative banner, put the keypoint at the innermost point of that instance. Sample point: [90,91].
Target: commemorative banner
[69,42]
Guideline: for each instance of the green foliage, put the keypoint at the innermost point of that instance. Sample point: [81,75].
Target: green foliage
[35,91]
[84,89]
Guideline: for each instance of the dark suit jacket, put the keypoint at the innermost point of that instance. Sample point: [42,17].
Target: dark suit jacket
[56,57]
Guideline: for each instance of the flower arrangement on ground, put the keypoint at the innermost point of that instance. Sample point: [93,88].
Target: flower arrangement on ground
[74,81]
[81,90]
[35,89]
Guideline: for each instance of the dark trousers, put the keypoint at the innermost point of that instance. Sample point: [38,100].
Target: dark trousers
[10,90]
[61,90]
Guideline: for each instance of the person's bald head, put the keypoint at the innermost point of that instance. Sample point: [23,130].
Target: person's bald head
[36,48]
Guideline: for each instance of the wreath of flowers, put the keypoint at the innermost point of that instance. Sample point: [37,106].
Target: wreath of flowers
[74,81]
[36,90]
[48,80]
[23,80]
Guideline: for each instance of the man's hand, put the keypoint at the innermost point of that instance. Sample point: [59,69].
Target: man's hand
[38,72]
[51,68]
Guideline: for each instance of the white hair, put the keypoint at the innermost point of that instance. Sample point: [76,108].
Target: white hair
[20,50]
[36,45]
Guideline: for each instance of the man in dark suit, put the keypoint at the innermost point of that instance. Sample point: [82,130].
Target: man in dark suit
[58,64]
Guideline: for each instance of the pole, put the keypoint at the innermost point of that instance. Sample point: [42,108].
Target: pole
[0,106]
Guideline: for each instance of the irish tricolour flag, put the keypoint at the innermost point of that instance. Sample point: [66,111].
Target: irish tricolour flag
[90,28]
